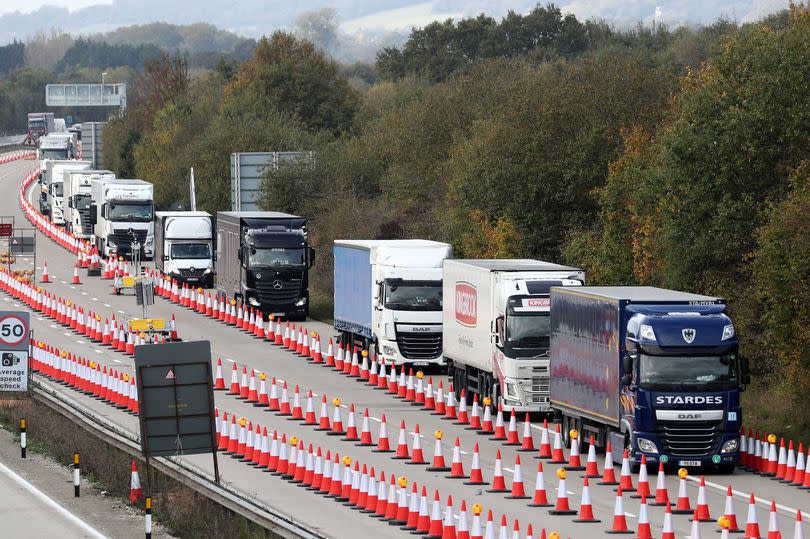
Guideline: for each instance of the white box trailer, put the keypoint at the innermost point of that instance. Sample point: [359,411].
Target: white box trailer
[496,321]
[77,198]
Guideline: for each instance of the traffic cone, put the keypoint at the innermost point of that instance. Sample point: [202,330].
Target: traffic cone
[661,493]
[263,400]
[540,498]
[643,488]
[798,477]
[423,519]
[323,422]
[619,518]
[527,443]
[235,390]
[450,406]
[702,507]
[219,381]
[76,275]
[371,497]
[682,505]
[253,394]
[561,507]
[436,524]
[244,387]
[297,410]
[486,424]
[574,462]
[475,414]
[462,531]
[585,506]
[518,490]
[500,431]
[608,473]
[439,464]
[135,492]
[417,455]
[45,277]
[383,444]
[695,532]
[449,527]
[365,431]
[781,462]
[402,443]
[272,400]
[557,455]
[382,377]
[309,415]
[284,408]
[751,523]
[798,532]
[498,481]
[773,526]
[463,416]
[476,476]
[790,467]
[475,528]
[456,466]
[439,409]
[337,421]
[544,451]
[591,466]
[626,480]
[643,531]
[730,514]
[668,531]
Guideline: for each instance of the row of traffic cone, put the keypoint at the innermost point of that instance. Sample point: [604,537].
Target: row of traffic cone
[58,234]
[786,464]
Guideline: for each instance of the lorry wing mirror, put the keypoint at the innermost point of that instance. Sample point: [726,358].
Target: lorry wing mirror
[627,368]
[311,256]
[93,214]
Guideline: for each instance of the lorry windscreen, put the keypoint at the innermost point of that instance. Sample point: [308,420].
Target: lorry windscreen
[82,202]
[276,256]
[404,296]
[528,330]
[57,189]
[687,372]
[191,250]
[130,212]
[54,154]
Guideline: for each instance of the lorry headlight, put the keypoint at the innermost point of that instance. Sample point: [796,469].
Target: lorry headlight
[730,446]
[728,332]
[646,445]
[511,390]
[646,332]
[389,351]
[301,302]
[253,301]
[207,271]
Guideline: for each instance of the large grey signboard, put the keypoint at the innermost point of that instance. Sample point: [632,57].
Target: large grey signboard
[14,346]
[176,398]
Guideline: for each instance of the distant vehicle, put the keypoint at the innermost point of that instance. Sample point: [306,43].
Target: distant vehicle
[56,146]
[40,123]
[184,246]
[122,212]
[653,371]
[77,199]
[388,293]
[59,125]
[54,182]
[497,327]
[264,259]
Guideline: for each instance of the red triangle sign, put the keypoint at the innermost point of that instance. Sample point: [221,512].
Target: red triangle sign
[170,375]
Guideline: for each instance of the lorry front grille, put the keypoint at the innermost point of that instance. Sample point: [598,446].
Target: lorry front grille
[420,345]
[188,272]
[84,217]
[689,438]
[272,292]
[123,239]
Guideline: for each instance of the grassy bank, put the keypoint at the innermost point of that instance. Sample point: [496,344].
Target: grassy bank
[181,510]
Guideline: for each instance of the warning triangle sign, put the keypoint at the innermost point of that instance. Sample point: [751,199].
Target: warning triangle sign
[170,375]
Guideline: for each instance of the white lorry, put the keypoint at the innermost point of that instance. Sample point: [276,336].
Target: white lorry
[122,212]
[497,328]
[53,180]
[388,293]
[77,198]
[184,246]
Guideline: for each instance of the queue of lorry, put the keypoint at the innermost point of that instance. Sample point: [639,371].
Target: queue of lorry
[656,372]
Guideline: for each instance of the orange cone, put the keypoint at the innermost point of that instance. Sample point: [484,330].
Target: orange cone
[540,498]
[661,493]
[402,444]
[476,476]
[45,277]
[219,381]
[668,531]
[562,507]
[591,466]
[557,455]
[76,275]
[773,526]
[234,381]
[752,524]
[574,462]
[527,443]
[135,492]
[619,518]
[682,505]
[436,528]
[500,431]
[518,489]
[498,481]
[365,431]
[702,508]
[439,464]
[417,455]
[585,506]
[323,420]
[383,444]
[730,514]
[626,480]
[456,466]
[643,488]
[475,414]
[545,447]
[643,531]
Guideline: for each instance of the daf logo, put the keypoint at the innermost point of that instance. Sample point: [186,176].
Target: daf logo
[690,416]
[688,335]
[421,330]
[192,269]
[277,284]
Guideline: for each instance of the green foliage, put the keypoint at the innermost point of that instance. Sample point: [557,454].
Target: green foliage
[12,56]
[101,55]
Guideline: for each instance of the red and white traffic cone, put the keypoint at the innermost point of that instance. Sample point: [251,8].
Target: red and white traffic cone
[527,442]
[643,487]
[512,432]
[463,416]
[751,523]
[574,461]
[439,408]
[365,431]
[781,461]
[417,455]
[540,498]
[585,506]
[436,524]
[323,421]
[337,421]
[557,455]
[682,505]
[626,480]
[135,492]
[661,493]
[619,518]
[702,507]
[383,444]
[456,466]
[402,444]
[498,481]
[561,506]
[730,513]
[518,489]
[798,477]
[476,476]
[219,381]
[76,275]
[591,466]
[668,531]
[284,409]
[439,464]
[545,446]
[272,400]
[798,532]
[773,526]
[500,430]
[351,426]
[235,389]
[45,277]
[790,467]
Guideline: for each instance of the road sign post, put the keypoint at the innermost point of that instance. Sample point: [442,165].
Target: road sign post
[14,351]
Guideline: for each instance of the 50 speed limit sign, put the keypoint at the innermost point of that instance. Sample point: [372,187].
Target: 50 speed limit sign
[13,329]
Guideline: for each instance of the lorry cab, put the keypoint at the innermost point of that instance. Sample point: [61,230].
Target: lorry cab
[184,246]
[681,384]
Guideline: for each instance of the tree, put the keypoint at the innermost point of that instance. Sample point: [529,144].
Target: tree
[319,27]
[45,49]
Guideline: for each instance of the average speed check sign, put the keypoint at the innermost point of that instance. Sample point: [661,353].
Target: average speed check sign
[14,329]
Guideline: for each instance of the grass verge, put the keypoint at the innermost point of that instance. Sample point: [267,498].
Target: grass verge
[181,510]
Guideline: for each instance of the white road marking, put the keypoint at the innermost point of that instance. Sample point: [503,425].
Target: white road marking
[64,282]
[117,360]
[98,351]
[53,326]
[80,341]
[121,312]
[94,299]
[67,333]
[84,293]
[232,361]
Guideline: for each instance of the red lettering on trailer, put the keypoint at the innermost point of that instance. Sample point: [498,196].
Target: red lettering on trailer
[538,302]
[466,304]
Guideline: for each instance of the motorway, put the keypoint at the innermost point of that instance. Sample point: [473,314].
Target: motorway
[330,518]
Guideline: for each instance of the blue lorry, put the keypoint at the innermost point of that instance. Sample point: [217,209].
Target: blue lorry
[655,371]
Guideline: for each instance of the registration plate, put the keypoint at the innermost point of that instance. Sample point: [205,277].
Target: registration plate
[688,463]
[278,315]
[420,363]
